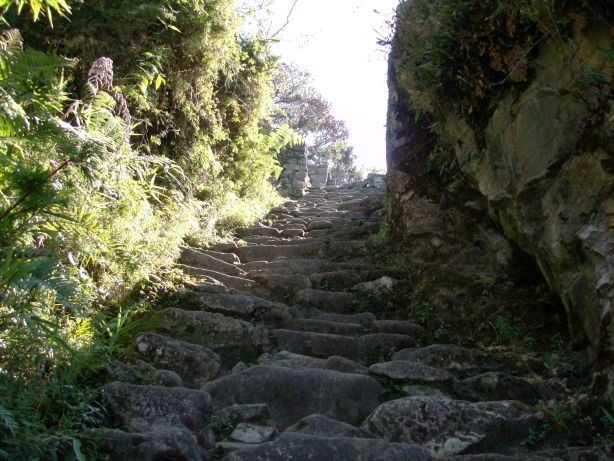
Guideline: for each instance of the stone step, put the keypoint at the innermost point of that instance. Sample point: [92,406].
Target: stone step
[140,408]
[292,394]
[246,307]
[263,231]
[298,361]
[170,443]
[195,364]
[229,281]
[192,256]
[209,329]
[272,252]
[448,427]
[331,301]
[312,447]
[366,348]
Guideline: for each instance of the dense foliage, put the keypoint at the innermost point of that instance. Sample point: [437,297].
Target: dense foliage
[133,128]
[463,55]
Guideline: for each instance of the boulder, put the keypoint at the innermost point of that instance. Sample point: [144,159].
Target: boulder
[406,372]
[309,447]
[325,427]
[195,364]
[178,444]
[447,427]
[138,408]
[293,394]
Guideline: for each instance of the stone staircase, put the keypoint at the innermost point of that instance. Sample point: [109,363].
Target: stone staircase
[268,359]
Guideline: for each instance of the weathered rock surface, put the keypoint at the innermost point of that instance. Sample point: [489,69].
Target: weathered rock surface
[540,157]
[166,444]
[143,408]
[308,447]
[447,427]
[293,394]
[194,363]
[406,372]
[326,427]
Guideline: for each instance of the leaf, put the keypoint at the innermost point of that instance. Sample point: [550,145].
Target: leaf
[76,448]
[159,81]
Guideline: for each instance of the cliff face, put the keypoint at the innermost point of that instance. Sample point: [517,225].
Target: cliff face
[533,135]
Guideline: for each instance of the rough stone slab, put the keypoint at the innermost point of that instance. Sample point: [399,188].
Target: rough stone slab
[335,301]
[208,329]
[320,345]
[379,346]
[407,372]
[496,386]
[252,433]
[293,394]
[292,233]
[398,327]
[447,427]
[325,326]
[344,365]
[364,318]
[291,446]
[319,224]
[326,427]
[194,363]
[251,413]
[149,446]
[282,284]
[243,306]
[259,231]
[290,360]
[230,281]
[138,408]
[272,252]
[452,358]
[197,258]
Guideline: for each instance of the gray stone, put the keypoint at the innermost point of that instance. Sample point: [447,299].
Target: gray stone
[293,394]
[380,346]
[243,306]
[263,231]
[290,360]
[319,345]
[335,301]
[291,446]
[326,427]
[447,427]
[452,358]
[271,252]
[165,444]
[407,372]
[398,327]
[220,331]
[325,326]
[344,365]
[194,363]
[144,408]
[319,224]
[168,378]
[496,386]
[424,391]
[251,433]
[252,413]
[193,257]
[379,286]
[230,281]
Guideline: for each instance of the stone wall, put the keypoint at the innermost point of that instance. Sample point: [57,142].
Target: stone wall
[319,175]
[294,178]
[543,164]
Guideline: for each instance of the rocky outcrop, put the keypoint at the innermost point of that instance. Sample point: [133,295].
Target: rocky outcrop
[539,152]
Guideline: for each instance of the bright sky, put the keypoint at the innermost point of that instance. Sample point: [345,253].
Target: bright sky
[336,41]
